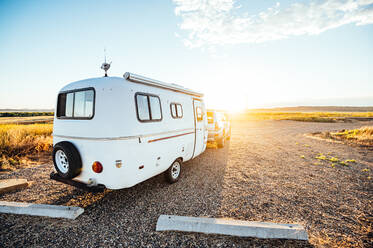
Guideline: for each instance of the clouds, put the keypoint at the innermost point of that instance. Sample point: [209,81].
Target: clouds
[218,22]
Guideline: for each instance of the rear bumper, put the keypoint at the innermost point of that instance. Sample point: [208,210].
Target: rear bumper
[83,186]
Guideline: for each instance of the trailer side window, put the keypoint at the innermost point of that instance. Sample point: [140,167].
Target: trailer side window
[155,108]
[199,114]
[176,110]
[179,109]
[83,104]
[173,110]
[148,107]
[69,105]
[77,104]
[142,108]
[65,105]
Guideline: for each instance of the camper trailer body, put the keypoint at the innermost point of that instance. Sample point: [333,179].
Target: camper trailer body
[133,127]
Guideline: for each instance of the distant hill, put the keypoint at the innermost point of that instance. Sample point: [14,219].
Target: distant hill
[317,109]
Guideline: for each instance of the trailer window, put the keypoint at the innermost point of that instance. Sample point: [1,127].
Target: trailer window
[148,107]
[69,105]
[78,104]
[176,110]
[83,104]
[173,110]
[142,107]
[179,109]
[199,114]
[155,108]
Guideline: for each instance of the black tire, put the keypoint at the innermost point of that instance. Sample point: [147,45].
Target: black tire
[73,158]
[169,174]
[221,142]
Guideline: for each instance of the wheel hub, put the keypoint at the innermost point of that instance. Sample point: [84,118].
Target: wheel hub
[62,161]
[175,170]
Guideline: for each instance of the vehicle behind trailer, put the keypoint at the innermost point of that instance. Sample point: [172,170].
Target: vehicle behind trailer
[227,125]
[216,127]
[117,132]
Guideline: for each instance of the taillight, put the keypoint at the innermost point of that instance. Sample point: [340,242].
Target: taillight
[216,126]
[97,167]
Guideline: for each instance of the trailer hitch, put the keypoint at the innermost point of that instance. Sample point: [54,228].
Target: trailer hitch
[95,189]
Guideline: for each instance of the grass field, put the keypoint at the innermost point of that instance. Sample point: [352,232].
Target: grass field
[26,120]
[20,144]
[25,117]
[25,114]
[302,116]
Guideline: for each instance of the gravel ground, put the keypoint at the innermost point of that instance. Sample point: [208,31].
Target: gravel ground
[267,172]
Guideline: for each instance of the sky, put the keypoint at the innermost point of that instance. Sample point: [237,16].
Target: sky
[239,53]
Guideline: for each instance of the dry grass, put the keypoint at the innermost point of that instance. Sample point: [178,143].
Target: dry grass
[19,144]
[26,119]
[362,136]
[302,116]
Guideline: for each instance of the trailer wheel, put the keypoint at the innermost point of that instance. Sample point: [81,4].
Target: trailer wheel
[172,174]
[221,142]
[66,160]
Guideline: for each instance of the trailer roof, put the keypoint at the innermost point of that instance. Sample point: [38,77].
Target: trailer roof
[131,77]
[151,82]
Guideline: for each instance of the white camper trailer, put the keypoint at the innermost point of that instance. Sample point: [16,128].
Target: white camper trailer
[117,132]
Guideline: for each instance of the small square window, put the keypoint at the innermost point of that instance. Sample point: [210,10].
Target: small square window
[148,107]
[179,110]
[176,110]
[199,114]
[173,110]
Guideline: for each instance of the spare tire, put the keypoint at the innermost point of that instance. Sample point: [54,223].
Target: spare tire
[67,160]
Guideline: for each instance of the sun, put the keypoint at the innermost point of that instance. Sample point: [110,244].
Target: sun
[229,103]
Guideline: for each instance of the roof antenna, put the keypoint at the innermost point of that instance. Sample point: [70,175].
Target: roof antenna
[105,66]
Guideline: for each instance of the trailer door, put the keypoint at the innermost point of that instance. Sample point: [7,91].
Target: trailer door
[199,126]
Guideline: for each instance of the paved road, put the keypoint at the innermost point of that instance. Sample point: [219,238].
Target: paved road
[260,175]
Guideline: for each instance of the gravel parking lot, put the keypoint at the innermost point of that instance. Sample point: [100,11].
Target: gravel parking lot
[267,172]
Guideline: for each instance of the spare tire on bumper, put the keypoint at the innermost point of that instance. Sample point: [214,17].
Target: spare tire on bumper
[67,160]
